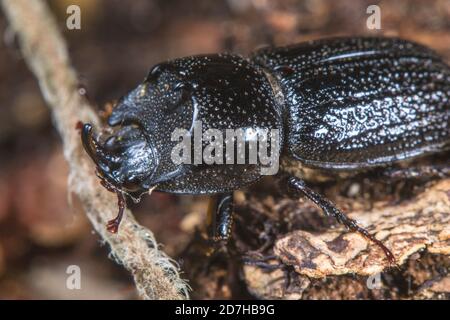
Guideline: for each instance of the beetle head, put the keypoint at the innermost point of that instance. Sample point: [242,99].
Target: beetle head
[136,153]
[125,158]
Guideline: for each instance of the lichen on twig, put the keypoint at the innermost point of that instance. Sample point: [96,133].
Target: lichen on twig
[44,50]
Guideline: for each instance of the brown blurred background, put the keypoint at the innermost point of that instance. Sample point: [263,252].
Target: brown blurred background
[40,233]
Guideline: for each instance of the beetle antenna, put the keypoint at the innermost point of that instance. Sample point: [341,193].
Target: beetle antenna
[113,224]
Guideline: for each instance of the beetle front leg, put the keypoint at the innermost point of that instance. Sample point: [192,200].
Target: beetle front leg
[296,186]
[220,218]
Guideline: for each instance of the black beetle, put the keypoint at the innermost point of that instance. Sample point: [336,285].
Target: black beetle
[340,105]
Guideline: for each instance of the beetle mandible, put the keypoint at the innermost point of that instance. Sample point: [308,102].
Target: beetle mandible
[339,104]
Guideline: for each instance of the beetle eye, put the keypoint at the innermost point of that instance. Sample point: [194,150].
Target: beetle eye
[182,93]
[184,89]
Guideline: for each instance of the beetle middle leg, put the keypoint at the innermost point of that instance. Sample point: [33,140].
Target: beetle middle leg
[296,186]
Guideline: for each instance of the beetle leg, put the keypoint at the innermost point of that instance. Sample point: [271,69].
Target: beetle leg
[262,261]
[423,172]
[297,185]
[220,217]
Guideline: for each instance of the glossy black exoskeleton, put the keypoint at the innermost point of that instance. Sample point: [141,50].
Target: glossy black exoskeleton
[341,104]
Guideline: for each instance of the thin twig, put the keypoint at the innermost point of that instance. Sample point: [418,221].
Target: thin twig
[155,274]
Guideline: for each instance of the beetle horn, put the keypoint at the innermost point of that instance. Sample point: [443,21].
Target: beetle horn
[95,150]
[88,141]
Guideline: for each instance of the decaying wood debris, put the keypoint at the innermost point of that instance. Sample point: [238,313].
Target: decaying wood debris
[417,230]
[286,249]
